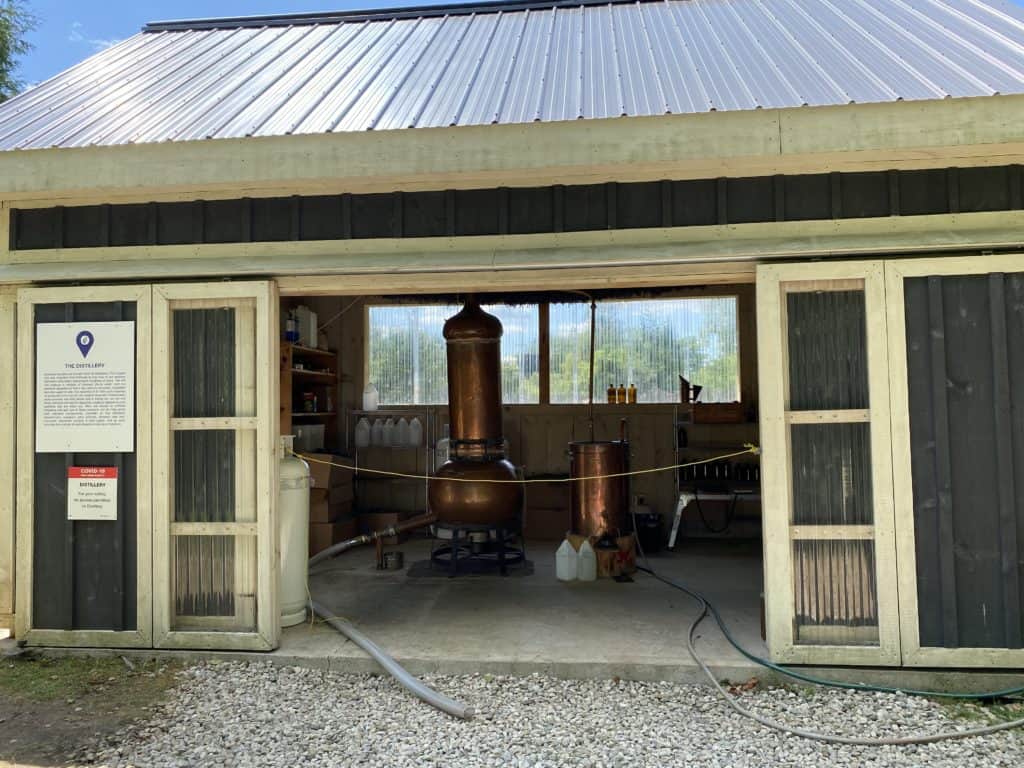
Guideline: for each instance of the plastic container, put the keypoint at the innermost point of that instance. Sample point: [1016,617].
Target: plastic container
[566,562]
[377,433]
[363,433]
[415,432]
[371,398]
[402,432]
[586,563]
[389,433]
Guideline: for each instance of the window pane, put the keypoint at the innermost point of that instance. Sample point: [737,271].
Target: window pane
[831,474]
[407,353]
[204,362]
[834,591]
[214,583]
[828,368]
[649,343]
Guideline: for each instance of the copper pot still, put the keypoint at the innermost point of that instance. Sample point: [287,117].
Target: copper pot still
[473,344]
[599,506]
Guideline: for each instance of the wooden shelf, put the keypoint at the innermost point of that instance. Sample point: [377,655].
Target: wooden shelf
[295,381]
[297,349]
[326,378]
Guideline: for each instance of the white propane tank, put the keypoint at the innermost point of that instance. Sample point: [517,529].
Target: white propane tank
[566,567]
[586,563]
[294,532]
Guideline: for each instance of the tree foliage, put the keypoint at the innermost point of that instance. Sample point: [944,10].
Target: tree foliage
[16,21]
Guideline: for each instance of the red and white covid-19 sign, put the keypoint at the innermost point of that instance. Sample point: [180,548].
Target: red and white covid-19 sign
[92,493]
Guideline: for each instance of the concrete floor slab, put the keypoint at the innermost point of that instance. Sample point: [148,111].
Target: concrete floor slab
[536,624]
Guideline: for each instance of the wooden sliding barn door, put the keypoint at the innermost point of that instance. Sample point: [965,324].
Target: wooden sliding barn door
[215,465]
[830,566]
[956,329]
[83,448]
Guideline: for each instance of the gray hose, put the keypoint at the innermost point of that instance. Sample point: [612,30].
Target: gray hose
[392,667]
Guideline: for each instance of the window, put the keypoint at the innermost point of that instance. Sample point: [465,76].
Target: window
[649,343]
[407,359]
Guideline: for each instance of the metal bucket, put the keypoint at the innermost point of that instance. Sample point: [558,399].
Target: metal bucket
[394,561]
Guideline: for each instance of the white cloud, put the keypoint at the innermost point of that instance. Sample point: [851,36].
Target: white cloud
[78,34]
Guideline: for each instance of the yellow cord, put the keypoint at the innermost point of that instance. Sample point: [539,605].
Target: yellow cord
[748,448]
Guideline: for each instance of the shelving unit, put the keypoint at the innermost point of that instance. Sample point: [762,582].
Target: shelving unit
[304,369]
[716,490]
[427,448]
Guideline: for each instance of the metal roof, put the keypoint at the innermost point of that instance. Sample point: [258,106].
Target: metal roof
[516,62]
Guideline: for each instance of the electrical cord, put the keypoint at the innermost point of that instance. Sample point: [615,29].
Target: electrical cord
[708,608]
[730,514]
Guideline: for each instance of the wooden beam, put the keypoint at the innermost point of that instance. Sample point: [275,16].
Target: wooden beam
[544,351]
[926,134]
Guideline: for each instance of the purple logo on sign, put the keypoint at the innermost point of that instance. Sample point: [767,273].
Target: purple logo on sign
[84,341]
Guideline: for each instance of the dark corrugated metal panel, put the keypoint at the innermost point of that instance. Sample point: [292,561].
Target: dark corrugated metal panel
[522,63]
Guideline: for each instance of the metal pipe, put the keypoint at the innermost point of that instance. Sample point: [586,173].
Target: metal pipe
[408,681]
[369,538]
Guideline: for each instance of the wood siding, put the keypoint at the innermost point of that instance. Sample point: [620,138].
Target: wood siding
[965,358]
[503,211]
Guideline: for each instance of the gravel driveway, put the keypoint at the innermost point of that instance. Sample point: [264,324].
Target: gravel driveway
[260,715]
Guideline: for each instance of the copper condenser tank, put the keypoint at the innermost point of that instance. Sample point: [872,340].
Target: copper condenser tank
[599,503]
[473,340]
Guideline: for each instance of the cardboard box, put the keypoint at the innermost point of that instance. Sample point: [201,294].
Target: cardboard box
[326,475]
[553,495]
[610,562]
[322,535]
[545,524]
[322,510]
[375,521]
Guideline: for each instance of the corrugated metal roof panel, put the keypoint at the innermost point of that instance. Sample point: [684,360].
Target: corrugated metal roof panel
[517,63]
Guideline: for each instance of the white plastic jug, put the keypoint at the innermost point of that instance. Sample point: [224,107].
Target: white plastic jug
[402,432]
[371,398]
[389,432]
[586,563]
[415,432]
[363,433]
[377,432]
[566,562]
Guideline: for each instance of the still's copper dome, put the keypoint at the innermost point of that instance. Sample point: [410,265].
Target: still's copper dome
[472,324]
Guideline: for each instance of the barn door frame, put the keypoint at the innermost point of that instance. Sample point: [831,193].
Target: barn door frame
[896,271]
[781,534]
[253,621]
[28,298]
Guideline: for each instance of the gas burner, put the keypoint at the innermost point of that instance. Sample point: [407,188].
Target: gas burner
[465,548]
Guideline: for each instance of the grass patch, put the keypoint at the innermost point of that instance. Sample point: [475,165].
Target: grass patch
[983,712]
[43,678]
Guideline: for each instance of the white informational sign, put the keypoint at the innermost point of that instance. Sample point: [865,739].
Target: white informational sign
[85,387]
[92,493]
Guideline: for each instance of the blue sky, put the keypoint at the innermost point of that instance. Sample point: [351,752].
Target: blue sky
[70,31]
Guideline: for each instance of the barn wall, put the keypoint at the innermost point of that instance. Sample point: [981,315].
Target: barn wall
[513,211]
